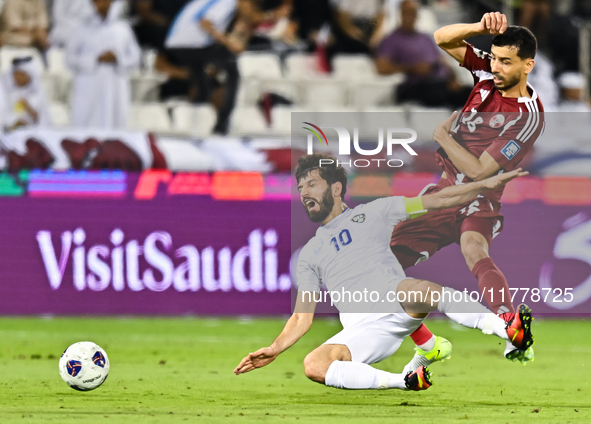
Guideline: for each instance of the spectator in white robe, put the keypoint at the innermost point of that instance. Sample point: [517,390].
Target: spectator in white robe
[572,93]
[102,55]
[67,15]
[23,102]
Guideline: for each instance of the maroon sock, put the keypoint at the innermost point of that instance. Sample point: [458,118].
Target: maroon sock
[421,335]
[491,277]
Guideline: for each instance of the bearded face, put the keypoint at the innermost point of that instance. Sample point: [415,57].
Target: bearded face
[319,208]
[316,196]
[508,68]
[506,82]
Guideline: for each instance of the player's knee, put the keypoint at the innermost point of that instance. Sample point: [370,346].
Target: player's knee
[417,291]
[314,368]
[415,296]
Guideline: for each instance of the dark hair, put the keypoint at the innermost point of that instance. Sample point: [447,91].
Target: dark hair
[331,173]
[521,38]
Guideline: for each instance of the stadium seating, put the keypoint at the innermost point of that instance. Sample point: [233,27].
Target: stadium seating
[150,116]
[58,78]
[248,120]
[196,121]
[259,65]
[378,91]
[60,114]
[325,92]
[356,67]
[180,154]
[302,66]
[281,119]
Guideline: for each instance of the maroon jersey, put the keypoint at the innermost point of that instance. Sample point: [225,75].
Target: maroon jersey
[504,127]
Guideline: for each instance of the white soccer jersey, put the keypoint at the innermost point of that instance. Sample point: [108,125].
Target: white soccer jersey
[186,31]
[352,253]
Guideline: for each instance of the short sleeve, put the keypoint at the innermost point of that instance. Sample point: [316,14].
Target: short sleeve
[307,279]
[517,138]
[392,209]
[219,12]
[476,61]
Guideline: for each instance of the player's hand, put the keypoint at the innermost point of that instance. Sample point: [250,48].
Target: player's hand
[107,57]
[234,45]
[443,129]
[500,180]
[255,360]
[493,23]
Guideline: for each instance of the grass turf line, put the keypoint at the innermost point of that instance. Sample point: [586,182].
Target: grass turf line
[166,370]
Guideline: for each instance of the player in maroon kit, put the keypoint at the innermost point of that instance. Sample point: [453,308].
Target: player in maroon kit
[499,124]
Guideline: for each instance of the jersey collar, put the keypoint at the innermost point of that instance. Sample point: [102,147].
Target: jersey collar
[534,95]
[329,225]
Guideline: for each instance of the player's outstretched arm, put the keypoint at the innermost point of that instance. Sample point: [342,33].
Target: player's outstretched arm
[472,167]
[451,38]
[297,325]
[460,194]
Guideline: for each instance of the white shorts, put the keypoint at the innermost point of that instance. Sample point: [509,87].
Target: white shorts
[374,337]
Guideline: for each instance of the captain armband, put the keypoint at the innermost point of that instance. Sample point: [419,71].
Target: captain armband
[414,207]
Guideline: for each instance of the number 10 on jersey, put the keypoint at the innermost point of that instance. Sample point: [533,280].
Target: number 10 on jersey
[344,238]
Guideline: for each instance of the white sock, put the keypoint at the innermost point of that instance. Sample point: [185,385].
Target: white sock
[471,314]
[357,375]
[428,345]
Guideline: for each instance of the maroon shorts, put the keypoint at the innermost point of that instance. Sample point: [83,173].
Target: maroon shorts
[418,239]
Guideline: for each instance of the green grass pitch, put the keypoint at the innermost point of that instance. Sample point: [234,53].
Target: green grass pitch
[179,370]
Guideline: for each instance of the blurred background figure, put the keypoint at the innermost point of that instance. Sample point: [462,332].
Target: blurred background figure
[356,25]
[307,19]
[430,81]
[542,79]
[535,14]
[178,81]
[24,23]
[24,102]
[67,15]
[572,90]
[102,55]
[154,18]
[270,26]
[200,36]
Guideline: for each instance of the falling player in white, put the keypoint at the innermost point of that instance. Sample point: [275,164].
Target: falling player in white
[351,251]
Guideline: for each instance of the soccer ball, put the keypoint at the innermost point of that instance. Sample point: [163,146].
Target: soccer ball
[84,366]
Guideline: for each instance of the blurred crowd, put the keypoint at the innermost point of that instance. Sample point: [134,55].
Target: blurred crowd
[196,46]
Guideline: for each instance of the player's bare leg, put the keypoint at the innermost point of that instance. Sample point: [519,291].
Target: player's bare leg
[421,296]
[331,364]
[318,361]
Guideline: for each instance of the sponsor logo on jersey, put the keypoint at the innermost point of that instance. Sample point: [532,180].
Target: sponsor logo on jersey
[484,94]
[358,218]
[511,149]
[497,121]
